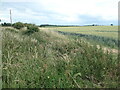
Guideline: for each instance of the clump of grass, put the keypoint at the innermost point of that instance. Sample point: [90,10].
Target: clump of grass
[45,60]
[12,30]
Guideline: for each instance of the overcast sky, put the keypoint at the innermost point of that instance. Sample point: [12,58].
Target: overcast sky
[72,12]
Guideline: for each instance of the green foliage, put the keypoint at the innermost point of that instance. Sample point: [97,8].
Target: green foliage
[31,28]
[51,60]
[18,25]
[6,24]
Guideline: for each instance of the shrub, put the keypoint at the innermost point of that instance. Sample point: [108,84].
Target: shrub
[31,28]
[18,25]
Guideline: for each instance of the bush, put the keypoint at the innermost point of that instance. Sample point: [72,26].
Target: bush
[18,25]
[31,28]
[6,24]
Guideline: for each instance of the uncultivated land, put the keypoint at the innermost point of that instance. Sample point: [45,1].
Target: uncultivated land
[47,59]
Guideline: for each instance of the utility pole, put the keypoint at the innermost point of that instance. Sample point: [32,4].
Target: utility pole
[11,17]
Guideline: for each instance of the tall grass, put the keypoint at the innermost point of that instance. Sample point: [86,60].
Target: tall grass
[50,60]
[0,57]
[104,41]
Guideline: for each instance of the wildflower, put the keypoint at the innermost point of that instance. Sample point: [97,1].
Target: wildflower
[48,77]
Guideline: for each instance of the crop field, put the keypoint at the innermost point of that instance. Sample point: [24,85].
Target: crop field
[60,44]
[105,31]
[102,35]
[48,59]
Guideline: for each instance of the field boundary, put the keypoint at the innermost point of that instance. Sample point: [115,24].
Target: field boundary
[93,37]
[105,49]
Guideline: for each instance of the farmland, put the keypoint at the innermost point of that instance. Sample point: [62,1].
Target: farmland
[105,31]
[102,35]
[48,59]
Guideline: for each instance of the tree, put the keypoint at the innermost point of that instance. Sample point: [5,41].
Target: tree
[18,25]
[6,24]
[111,24]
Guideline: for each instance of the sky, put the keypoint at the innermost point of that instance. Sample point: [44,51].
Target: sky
[60,12]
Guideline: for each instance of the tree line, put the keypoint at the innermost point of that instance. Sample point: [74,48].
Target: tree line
[49,25]
[31,28]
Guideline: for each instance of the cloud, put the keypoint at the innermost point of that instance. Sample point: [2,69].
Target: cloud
[107,9]
[61,11]
[18,0]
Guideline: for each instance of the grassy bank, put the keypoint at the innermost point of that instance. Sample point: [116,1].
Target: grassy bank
[47,59]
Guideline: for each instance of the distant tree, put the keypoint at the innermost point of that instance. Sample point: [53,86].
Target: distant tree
[6,24]
[18,25]
[93,25]
[111,24]
[44,25]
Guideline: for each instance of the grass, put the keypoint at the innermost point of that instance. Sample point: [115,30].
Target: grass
[47,59]
[103,35]
[96,40]
[105,31]
[0,58]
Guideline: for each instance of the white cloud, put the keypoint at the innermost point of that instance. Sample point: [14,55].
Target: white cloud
[107,9]
[18,0]
[26,15]
[70,10]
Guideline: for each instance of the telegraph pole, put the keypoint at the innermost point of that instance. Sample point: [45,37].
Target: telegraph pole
[11,17]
